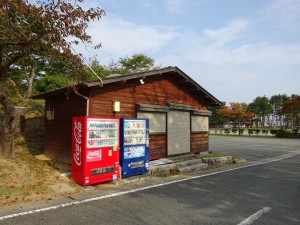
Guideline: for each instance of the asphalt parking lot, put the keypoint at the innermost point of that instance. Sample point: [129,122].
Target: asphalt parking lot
[264,190]
[252,148]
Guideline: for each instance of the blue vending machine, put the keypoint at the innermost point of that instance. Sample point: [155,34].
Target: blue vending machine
[134,146]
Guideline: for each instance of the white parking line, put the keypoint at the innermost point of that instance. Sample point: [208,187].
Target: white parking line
[255,216]
[141,189]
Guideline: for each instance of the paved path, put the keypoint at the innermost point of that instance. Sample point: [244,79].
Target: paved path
[252,148]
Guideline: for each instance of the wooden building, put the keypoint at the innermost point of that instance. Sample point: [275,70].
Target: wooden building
[176,105]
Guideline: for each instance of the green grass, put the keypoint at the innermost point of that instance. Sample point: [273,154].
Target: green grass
[10,190]
[246,136]
[5,191]
[211,154]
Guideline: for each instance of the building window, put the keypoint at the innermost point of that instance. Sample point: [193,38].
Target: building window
[157,121]
[199,123]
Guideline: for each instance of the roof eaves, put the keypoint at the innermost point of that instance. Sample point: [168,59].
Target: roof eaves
[137,75]
[198,87]
[62,90]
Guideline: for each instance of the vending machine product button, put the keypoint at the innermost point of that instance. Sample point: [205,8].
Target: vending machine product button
[115,147]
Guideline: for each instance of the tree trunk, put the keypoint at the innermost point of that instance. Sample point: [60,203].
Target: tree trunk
[29,75]
[30,82]
[7,127]
[280,121]
[14,85]
[263,120]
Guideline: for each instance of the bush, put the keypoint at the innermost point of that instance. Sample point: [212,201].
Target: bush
[234,130]
[33,106]
[257,131]
[273,131]
[250,131]
[295,133]
[241,131]
[227,131]
[265,131]
[283,134]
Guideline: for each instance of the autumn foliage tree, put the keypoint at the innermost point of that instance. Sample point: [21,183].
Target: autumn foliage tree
[38,29]
[236,112]
[291,107]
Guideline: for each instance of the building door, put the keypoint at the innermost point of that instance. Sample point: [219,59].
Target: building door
[178,132]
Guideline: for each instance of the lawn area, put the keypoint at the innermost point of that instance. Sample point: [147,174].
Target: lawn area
[26,178]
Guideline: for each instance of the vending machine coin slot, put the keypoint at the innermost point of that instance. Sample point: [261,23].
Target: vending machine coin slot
[102,170]
[137,164]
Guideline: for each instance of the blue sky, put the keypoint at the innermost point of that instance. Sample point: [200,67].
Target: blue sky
[235,49]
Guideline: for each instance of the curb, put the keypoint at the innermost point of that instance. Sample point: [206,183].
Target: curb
[217,160]
[178,167]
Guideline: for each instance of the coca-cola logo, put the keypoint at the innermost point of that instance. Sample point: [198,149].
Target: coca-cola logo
[77,132]
[93,155]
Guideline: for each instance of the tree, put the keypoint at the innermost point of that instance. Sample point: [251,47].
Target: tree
[237,112]
[23,73]
[262,108]
[101,70]
[216,120]
[30,29]
[31,75]
[136,63]
[126,65]
[6,126]
[276,102]
[48,83]
[291,107]
[55,73]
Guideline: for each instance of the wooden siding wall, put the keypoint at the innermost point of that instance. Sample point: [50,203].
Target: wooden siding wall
[158,146]
[199,142]
[58,132]
[158,90]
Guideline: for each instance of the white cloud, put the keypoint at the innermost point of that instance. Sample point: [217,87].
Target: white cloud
[230,32]
[172,46]
[285,14]
[259,54]
[120,38]
[231,45]
[233,67]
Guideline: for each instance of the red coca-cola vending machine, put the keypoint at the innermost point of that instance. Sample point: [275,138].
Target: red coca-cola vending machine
[95,150]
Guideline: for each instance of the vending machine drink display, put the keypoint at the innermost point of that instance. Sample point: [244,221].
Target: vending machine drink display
[95,150]
[134,146]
